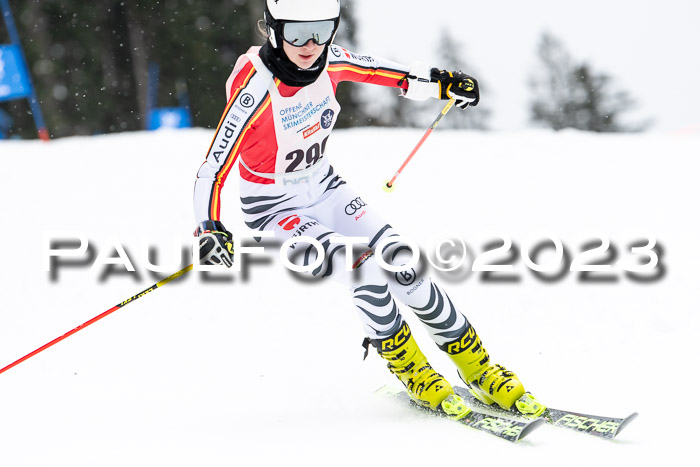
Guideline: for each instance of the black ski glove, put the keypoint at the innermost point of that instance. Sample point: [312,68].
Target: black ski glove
[458,86]
[215,244]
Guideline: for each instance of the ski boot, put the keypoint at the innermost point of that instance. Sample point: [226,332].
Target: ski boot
[424,385]
[488,382]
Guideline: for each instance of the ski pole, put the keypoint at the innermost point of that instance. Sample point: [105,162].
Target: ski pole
[98,317]
[389,186]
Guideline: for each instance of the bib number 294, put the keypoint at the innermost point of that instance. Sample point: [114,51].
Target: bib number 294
[311,156]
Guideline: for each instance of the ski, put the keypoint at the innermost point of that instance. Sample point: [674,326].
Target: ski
[594,425]
[504,428]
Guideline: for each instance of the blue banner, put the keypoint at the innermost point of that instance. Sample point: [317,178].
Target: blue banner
[168,117]
[14,79]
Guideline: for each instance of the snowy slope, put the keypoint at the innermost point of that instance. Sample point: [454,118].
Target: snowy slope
[264,369]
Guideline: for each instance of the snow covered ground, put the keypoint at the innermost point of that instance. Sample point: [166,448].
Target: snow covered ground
[262,369]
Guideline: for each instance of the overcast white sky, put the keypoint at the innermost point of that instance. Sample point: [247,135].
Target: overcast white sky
[650,48]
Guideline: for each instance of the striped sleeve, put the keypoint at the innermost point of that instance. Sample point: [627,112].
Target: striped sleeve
[344,65]
[248,97]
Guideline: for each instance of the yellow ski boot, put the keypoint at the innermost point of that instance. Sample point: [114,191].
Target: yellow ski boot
[425,386]
[490,383]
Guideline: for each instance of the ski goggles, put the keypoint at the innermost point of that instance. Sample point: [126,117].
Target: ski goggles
[299,33]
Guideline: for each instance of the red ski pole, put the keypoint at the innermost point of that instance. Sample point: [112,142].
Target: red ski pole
[389,186]
[97,318]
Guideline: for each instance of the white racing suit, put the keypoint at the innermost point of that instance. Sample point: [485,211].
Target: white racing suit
[279,134]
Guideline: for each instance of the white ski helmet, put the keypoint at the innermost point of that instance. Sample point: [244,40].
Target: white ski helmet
[301,20]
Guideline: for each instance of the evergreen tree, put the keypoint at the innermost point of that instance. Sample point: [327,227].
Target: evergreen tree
[89,60]
[572,95]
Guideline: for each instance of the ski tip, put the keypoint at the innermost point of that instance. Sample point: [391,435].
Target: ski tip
[530,427]
[626,422]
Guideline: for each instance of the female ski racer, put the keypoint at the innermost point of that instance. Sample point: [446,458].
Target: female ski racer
[280,113]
